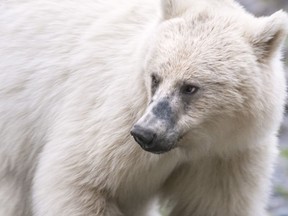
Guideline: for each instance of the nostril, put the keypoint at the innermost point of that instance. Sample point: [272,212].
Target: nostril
[144,137]
[140,139]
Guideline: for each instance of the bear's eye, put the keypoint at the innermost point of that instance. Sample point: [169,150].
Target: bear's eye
[189,89]
[155,80]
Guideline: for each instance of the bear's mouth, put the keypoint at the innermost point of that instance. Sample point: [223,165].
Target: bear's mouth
[162,151]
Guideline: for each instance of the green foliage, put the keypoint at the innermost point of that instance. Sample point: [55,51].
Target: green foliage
[163,211]
[284,153]
[282,192]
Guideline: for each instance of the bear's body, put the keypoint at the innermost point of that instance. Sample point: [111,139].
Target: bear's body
[74,81]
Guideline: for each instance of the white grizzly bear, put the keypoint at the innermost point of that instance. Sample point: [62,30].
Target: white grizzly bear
[198,83]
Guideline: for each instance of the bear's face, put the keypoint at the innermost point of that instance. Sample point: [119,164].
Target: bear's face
[192,79]
[201,72]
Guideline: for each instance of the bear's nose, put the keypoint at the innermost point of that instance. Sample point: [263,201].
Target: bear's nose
[145,137]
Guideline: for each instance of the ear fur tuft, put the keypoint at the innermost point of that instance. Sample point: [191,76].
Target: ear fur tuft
[270,35]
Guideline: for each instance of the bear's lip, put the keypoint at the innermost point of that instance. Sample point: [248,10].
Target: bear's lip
[158,152]
[162,151]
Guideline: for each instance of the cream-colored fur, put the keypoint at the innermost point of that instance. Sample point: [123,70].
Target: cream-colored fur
[75,77]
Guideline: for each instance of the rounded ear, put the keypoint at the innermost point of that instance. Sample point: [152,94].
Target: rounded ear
[174,8]
[268,36]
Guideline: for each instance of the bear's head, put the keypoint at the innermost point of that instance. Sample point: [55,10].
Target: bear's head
[213,75]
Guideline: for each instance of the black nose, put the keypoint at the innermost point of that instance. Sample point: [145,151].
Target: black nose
[145,137]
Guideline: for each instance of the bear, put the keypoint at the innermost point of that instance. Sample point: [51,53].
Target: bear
[120,108]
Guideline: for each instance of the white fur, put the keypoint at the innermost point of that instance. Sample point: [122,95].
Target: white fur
[72,86]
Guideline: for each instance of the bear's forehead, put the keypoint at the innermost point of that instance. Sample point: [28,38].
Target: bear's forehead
[208,46]
[210,34]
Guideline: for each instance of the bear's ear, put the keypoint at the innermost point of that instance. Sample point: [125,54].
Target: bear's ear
[174,8]
[268,36]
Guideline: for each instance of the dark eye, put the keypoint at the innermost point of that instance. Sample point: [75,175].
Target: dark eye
[189,89]
[155,80]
